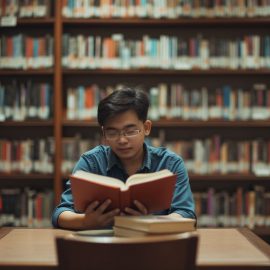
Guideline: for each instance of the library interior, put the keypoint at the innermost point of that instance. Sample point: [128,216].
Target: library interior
[205,66]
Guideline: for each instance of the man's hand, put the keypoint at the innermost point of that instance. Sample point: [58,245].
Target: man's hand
[95,216]
[141,209]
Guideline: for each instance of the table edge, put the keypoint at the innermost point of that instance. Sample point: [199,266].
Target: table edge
[4,231]
[256,241]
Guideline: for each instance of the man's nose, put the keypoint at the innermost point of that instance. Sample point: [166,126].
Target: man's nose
[122,137]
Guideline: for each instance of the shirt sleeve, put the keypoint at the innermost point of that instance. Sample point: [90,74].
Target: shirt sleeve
[66,202]
[182,202]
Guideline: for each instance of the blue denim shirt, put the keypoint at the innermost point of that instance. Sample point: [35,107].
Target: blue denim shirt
[101,160]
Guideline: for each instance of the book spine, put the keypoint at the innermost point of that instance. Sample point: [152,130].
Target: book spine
[125,199]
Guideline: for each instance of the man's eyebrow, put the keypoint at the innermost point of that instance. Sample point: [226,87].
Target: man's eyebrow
[125,127]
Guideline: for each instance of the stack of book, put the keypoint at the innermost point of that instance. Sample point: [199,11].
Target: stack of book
[132,226]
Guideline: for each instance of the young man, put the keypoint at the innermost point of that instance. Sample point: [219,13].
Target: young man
[123,120]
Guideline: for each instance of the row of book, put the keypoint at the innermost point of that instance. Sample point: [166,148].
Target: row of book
[25,8]
[24,52]
[164,9]
[214,208]
[25,207]
[225,102]
[202,156]
[222,156]
[240,207]
[73,148]
[21,101]
[175,101]
[27,100]
[27,156]
[140,9]
[208,156]
[82,101]
[165,52]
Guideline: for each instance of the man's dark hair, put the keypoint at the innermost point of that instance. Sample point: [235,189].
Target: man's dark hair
[121,101]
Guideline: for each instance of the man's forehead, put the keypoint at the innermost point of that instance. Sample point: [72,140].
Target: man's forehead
[122,120]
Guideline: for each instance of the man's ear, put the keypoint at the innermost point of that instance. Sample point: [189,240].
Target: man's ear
[147,127]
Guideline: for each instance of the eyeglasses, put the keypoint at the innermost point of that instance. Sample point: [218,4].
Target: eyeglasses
[113,135]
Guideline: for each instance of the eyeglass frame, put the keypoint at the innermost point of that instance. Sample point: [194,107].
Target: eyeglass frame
[122,132]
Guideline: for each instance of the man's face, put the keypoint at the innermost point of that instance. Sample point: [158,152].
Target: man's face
[125,134]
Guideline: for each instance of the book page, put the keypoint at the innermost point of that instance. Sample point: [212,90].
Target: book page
[108,232]
[96,178]
[147,177]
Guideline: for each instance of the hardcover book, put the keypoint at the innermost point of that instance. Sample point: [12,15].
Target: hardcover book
[151,224]
[153,190]
[125,232]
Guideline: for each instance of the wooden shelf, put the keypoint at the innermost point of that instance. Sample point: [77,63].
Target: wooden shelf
[168,22]
[78,123]
[180,123]
[165,72]
[28,123]
[31,22]
[35,21]
[25,176]
[134,72]
[20,72]
[227,177]
[262,230]
[211,123]
[22,180]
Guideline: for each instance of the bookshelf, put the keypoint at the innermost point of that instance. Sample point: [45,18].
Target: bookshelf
[133,28]
[26,176]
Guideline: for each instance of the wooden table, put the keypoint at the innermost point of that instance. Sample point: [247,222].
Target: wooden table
[218,249]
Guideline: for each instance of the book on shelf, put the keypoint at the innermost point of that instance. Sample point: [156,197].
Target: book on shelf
[151,225]
[240,207]
[22,51]
[116,52]
[20,101]
[153,190]
[176,101]
[25,207]
[25,9]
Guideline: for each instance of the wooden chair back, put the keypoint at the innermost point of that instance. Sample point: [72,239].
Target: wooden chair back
[166,252]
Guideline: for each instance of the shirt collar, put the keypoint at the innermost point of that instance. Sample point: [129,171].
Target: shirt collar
[147,158]
[113,160]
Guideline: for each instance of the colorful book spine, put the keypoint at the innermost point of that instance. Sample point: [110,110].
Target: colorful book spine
[22,101]
[174,101]
[164,9]
[25,207]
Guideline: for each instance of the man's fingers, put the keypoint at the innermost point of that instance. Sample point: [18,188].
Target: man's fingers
[141,207]
[91,207]
[110,215]
[132,212]
[103,206]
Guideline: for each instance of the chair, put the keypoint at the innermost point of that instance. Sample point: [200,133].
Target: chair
[166,252]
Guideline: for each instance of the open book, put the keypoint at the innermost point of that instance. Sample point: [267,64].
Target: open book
[153,190]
